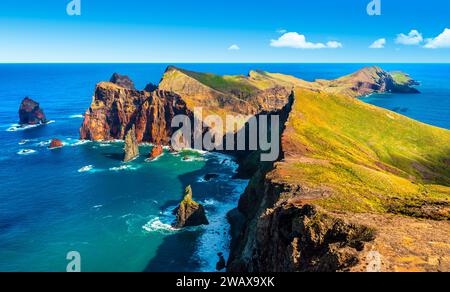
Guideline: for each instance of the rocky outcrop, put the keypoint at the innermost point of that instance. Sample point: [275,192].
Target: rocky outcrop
[122,81]
[157,151]
[221,264]
[190,213]
[55,143]
[30,113]
[131,147]
[115,109]
[370,80]
[301,238]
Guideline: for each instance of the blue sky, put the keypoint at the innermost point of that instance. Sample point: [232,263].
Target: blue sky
[225,31]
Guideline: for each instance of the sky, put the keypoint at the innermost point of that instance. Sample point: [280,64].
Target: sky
[225,31]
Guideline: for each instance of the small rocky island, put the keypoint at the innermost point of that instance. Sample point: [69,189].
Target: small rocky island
[190,213]
[30,113]
[156,152]
[131,148]
[56,143]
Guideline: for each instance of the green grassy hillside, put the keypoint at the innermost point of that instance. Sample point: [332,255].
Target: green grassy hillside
[356,157]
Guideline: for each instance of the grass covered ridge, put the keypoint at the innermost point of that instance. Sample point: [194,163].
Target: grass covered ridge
[351,156]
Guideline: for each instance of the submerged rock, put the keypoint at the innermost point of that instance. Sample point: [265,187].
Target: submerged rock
[156,152]
[211,176]
[190,213]
[122,81]
[55,143]
[30,113]
[131,148]
[221,264]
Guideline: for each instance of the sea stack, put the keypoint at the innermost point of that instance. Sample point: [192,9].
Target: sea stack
[131,148]
[190,213]
[30,113]
[157,151]
[55,143]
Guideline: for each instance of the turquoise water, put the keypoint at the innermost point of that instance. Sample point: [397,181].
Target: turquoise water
[82,198]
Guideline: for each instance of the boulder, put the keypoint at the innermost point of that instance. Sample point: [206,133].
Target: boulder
[221,264]
[30,113]
[190,213]
[210,176]
[156,152]
[55,143]
[131,148]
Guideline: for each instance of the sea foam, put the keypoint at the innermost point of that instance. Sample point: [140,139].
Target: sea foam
[26,152]
[17,127]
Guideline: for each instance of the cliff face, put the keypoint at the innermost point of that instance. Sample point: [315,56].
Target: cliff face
[116,109]
[30,113]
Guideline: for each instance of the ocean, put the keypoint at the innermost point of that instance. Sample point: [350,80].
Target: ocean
[82,198]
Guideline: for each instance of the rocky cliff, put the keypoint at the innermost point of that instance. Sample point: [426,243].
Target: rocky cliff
[115,109]
[30,113]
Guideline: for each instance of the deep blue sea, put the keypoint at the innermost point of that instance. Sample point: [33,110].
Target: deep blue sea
[82,198]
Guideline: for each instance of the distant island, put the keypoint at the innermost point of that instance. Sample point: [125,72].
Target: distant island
[354,186]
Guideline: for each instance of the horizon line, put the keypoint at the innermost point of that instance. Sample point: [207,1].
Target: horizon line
[211,62]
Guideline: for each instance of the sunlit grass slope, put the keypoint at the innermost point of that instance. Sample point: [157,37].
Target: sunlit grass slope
[352,156]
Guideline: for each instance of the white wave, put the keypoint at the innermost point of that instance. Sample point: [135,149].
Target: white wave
[45,143]
[76,116]
[26,152]
[25,141]
[209,202]
[216,236]
[17,127]
[201,179]
[80,142]
[156,225]
[123,167]
[97,206]
[86,168]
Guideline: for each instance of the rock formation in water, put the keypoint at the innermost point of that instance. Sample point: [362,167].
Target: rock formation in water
[221,264]
[115,109]
[131,147]
[30,113]
[190,213]
[352,178]
[157,151]
[55,143]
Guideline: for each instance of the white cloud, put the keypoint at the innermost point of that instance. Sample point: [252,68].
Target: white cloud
[298,41]
[378,44]
[234,48]
[413,38]
[282,31]
[441,41]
